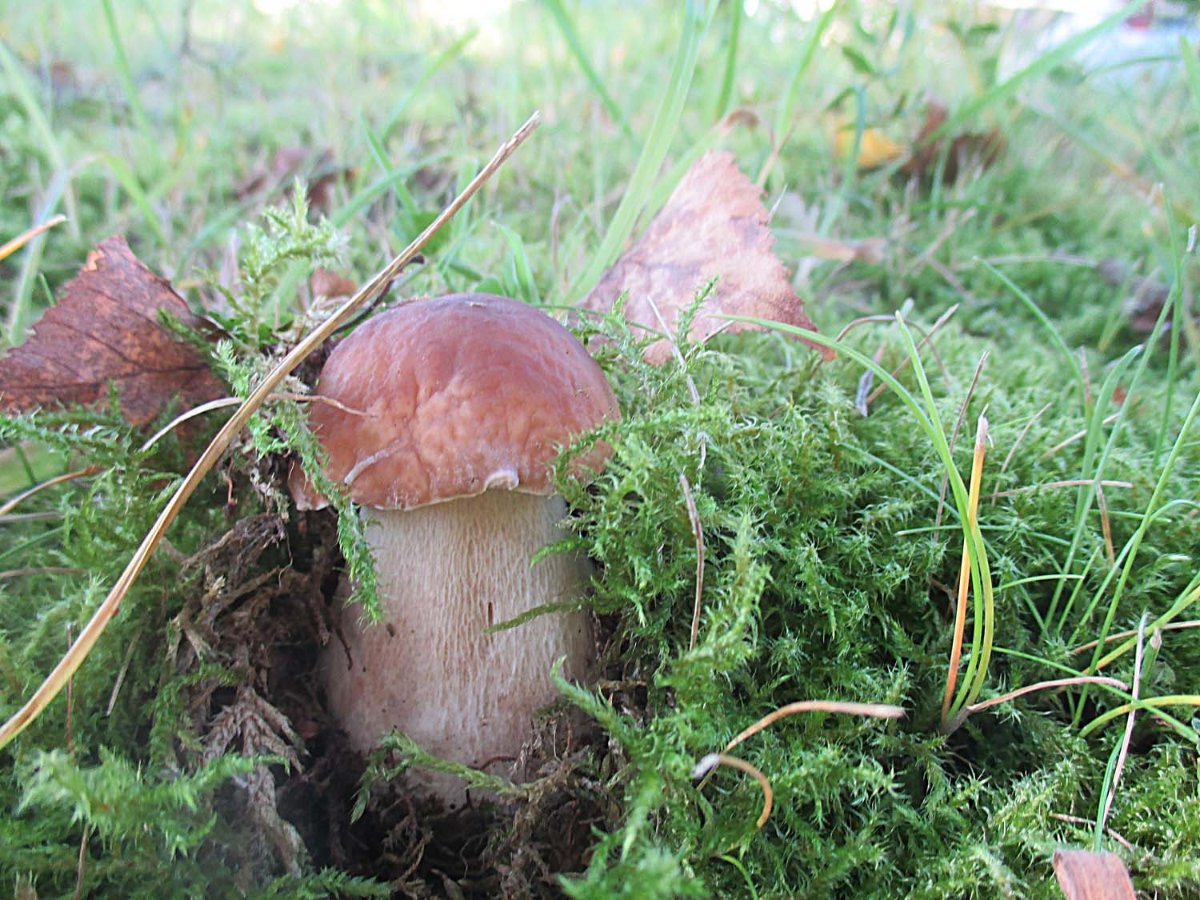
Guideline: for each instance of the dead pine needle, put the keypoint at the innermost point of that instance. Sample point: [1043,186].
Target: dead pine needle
[698,534]
[964,572]
[225,402]
[1068,482]
[1106,524]
[9,505]
[962,416]
[705,767]
[1045,686]
[926,339]
[848,708]
[104,613]
[11,247]
[1077,436]
[709,763]
[1135,694]
[1017,443]
[1125,635]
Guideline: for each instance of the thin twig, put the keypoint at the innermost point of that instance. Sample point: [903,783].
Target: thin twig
[91,632]
[953,223]
[80,868]
[46,516]
[698,534]
[41,570]
[112,698]
[1079,820]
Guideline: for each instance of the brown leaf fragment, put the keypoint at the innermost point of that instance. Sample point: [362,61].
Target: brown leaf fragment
[1084,875]
[1146,298]
[327,283]
[713,226]
[105,330]
[318,169]
[981,147]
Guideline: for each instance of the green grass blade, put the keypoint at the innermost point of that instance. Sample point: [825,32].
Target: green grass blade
[1091,469]
[1173,307]
[129,182]
[1044,64]
[1043,319]
[1135,541]
[126,76]
[804,58]
[21,313]
[725,96]
[1191,68]
[571,35]
[697,17]
[439,62]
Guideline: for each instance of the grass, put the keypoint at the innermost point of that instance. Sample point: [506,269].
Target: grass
[191,749]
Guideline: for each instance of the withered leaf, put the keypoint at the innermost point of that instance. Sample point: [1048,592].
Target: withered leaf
[1084,875]
[105,329]
[984,147]
[1146,299]
[327,283]
[713,226]
[290,162]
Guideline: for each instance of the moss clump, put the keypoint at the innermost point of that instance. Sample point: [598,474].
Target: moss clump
[824,579]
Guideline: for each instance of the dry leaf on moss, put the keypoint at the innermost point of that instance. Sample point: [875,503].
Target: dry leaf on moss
[105,329]
[714,226]
[1084,875]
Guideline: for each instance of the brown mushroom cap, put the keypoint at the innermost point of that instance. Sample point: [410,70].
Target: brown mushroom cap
[446,398]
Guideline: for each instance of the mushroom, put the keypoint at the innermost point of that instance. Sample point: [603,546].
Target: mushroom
[444,421]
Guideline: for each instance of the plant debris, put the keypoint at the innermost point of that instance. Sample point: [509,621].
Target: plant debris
[1085,875]
[106,330]
[962,150]
[714,226]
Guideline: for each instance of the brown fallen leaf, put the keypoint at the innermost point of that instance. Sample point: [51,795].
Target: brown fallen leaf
[713,226]
[875,148]
[290,162]
[982,146]
[105,329]
[1084,875]
[1146,298]
[329,284]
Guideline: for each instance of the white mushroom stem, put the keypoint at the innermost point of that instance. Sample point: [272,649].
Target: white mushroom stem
[431,669]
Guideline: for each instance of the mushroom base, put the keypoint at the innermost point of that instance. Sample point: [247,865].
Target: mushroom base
[430,668]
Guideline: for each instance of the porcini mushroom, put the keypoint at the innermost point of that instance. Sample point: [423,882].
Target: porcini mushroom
[447,417]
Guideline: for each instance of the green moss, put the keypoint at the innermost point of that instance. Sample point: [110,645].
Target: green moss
[827,550]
